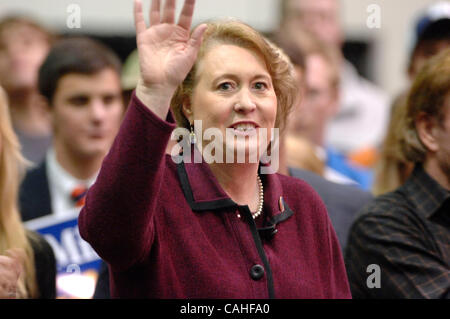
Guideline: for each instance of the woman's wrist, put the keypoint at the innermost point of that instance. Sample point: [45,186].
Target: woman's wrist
[157,99]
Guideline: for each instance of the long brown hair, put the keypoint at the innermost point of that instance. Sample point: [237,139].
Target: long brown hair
[12,231]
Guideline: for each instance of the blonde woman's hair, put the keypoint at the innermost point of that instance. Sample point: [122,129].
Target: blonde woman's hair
[12,231]
[234,32]
[393,168]
[300,153]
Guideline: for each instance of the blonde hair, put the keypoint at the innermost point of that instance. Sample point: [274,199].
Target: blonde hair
[237,33]
[427,95]
[301,154]
[393,168]
[12,232]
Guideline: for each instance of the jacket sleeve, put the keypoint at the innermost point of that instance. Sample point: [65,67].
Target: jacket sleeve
[339,285]
[117,219]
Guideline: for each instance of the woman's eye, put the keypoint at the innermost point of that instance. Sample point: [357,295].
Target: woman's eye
[225,86]
[260,86]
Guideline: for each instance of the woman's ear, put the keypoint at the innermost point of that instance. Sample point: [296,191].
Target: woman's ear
[187,110]
[427,128]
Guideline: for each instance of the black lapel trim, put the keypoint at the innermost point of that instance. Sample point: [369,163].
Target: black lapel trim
[276,219]
[270,230]
[245,211]
[202,206]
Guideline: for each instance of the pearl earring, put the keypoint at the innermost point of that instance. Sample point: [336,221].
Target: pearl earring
[192,136]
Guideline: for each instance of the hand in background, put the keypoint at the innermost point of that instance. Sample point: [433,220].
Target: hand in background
[10,270]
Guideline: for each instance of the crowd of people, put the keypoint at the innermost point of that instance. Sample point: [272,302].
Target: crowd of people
[360,179]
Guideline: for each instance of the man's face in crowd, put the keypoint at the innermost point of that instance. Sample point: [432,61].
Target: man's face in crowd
[319,17]
[22,51]
[319,101]
[86,112]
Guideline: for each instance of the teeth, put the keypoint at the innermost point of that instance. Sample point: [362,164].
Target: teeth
[244,127]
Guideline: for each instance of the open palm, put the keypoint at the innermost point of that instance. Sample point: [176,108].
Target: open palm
[167,51]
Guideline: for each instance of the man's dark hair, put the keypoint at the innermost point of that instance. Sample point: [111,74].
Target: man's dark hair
[74,55]
[436,32]
[427,95]
[439,30]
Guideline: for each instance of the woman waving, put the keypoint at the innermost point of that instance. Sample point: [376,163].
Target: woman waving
[218,227]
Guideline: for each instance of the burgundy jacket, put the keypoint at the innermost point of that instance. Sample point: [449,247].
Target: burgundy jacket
[169,230]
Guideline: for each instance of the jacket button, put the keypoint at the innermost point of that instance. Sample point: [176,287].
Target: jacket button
[257,272]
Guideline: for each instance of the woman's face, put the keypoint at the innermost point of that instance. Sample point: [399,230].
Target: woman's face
[234,93]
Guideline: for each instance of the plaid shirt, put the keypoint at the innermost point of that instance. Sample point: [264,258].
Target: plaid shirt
[407,234]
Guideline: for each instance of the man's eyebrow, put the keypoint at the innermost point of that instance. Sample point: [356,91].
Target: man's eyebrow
[77,95]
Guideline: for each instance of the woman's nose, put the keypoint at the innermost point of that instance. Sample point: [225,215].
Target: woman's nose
[245,103]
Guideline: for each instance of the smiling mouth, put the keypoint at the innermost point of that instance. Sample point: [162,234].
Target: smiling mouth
[244,129]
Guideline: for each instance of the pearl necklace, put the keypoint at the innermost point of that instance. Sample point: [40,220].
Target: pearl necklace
[261,199]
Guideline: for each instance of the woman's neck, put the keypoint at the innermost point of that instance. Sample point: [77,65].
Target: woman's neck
[239,181]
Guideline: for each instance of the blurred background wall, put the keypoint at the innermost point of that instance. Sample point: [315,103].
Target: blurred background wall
[380,53]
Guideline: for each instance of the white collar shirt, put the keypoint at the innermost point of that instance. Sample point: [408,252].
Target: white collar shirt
[61,185]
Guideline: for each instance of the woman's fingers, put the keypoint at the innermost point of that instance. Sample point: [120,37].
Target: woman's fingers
[155,10]
[169,12]
[18,256]
[139,21]
[185,19]
[196,39]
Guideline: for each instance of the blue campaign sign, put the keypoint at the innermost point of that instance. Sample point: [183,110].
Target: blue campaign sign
[77,262]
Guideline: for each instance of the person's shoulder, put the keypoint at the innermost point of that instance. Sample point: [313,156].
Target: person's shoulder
[321,184]
[295,185]
[34,193]
[387,204]
[308,176]
[34,180]
[172,162]
[35,173]
[390,209]
[173,167]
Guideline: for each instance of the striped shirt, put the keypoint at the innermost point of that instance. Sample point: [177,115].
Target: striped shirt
[407,234]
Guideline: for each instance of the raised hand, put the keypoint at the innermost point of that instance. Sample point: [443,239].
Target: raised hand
[10,271]
[167,51]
